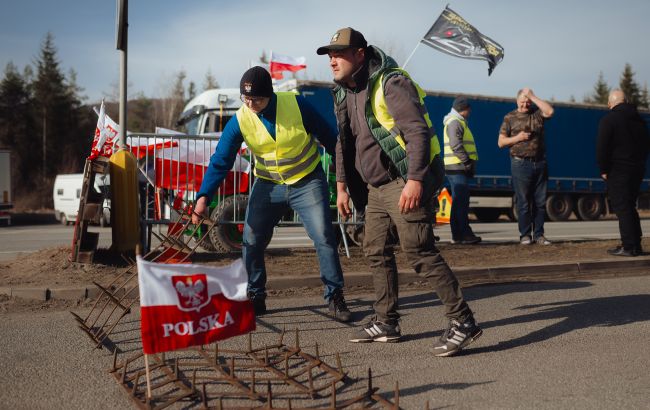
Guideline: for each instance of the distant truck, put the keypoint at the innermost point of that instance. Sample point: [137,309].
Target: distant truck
[209,112]
[6,198]
[574,184]
[67,192]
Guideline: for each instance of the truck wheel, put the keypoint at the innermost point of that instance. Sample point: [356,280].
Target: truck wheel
[559,207]
[590,207]
[226,236]
[206,244]
[64,220]
[487,214]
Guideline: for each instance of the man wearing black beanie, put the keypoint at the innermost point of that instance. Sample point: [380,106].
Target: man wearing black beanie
[279,130]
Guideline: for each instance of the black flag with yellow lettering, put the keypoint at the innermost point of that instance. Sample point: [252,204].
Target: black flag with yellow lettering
[453,35]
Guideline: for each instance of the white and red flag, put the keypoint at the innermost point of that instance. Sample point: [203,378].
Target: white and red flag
[279,63]
[106,135]
[185,305]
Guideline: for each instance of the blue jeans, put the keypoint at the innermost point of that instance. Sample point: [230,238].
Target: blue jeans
[529,183]
[267,203]
[459,207]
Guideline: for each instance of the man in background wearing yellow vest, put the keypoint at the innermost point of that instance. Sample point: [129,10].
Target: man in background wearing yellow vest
[279,130]
[460,164]
[388,161]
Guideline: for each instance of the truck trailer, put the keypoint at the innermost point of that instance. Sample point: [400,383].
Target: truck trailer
[574,184]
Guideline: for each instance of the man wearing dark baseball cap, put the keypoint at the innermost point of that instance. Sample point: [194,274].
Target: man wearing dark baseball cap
[342,39]
[380,112]
[279,130]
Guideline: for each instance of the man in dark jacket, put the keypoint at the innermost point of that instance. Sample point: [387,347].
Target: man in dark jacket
[388,161]
[621,152]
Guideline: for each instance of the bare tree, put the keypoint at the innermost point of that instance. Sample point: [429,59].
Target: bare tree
[209,82]
[172,98]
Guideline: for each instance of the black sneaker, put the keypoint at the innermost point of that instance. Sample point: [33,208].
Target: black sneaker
[259,303]
[468,240]
[377,331]
[457,336]
[621,251]
[338,308]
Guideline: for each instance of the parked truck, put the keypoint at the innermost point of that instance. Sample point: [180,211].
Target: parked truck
[6,198]
[574,184]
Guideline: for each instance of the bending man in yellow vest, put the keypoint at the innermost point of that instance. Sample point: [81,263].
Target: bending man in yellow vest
[279,130]
[460,164]
[388,162]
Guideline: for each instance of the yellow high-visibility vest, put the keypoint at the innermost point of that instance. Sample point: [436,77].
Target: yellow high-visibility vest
[383,117]
[292,155]
[468,142]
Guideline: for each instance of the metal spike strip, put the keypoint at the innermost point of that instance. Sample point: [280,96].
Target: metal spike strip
[123,296]
[168,376]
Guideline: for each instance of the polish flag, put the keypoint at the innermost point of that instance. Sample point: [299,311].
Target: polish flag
[185,305]
[279,63]
[107,134]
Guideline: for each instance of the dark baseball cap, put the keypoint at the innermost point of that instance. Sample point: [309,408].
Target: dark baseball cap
[344,38]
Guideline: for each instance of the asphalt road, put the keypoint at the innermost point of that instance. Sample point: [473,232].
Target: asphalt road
[554,345]
[15,240]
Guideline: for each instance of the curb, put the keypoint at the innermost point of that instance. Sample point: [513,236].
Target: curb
[466,276]
[499,274]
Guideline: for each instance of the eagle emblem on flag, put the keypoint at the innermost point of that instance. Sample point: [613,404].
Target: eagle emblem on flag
[192,292]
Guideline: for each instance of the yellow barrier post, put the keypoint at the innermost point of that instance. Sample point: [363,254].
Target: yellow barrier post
[125,215]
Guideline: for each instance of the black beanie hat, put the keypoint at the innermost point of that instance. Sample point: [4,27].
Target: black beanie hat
[256,82]
[460,104]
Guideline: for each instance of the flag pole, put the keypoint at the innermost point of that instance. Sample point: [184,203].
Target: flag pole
[409,58]
[147,375]
[138,253]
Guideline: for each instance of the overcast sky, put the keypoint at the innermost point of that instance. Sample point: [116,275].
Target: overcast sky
[555,47]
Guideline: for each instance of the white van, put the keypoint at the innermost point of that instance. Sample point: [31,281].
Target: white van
[66,194]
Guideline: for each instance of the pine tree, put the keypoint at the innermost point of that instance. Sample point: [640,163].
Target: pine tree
[61,135]
[141,116]
[191,91]
[17,125]
[601,91]
[629,86]
[645,98]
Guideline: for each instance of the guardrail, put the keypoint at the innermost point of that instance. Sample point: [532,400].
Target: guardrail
[172,167]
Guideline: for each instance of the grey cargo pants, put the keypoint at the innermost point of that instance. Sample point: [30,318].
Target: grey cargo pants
[416,239]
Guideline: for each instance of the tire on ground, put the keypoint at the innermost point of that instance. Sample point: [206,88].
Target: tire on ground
[590,207]
[226,236]
[206,243]
[64,220]
[487,214]
[559,207]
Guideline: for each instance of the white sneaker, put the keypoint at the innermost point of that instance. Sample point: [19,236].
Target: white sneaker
[525,240]
[542,241]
